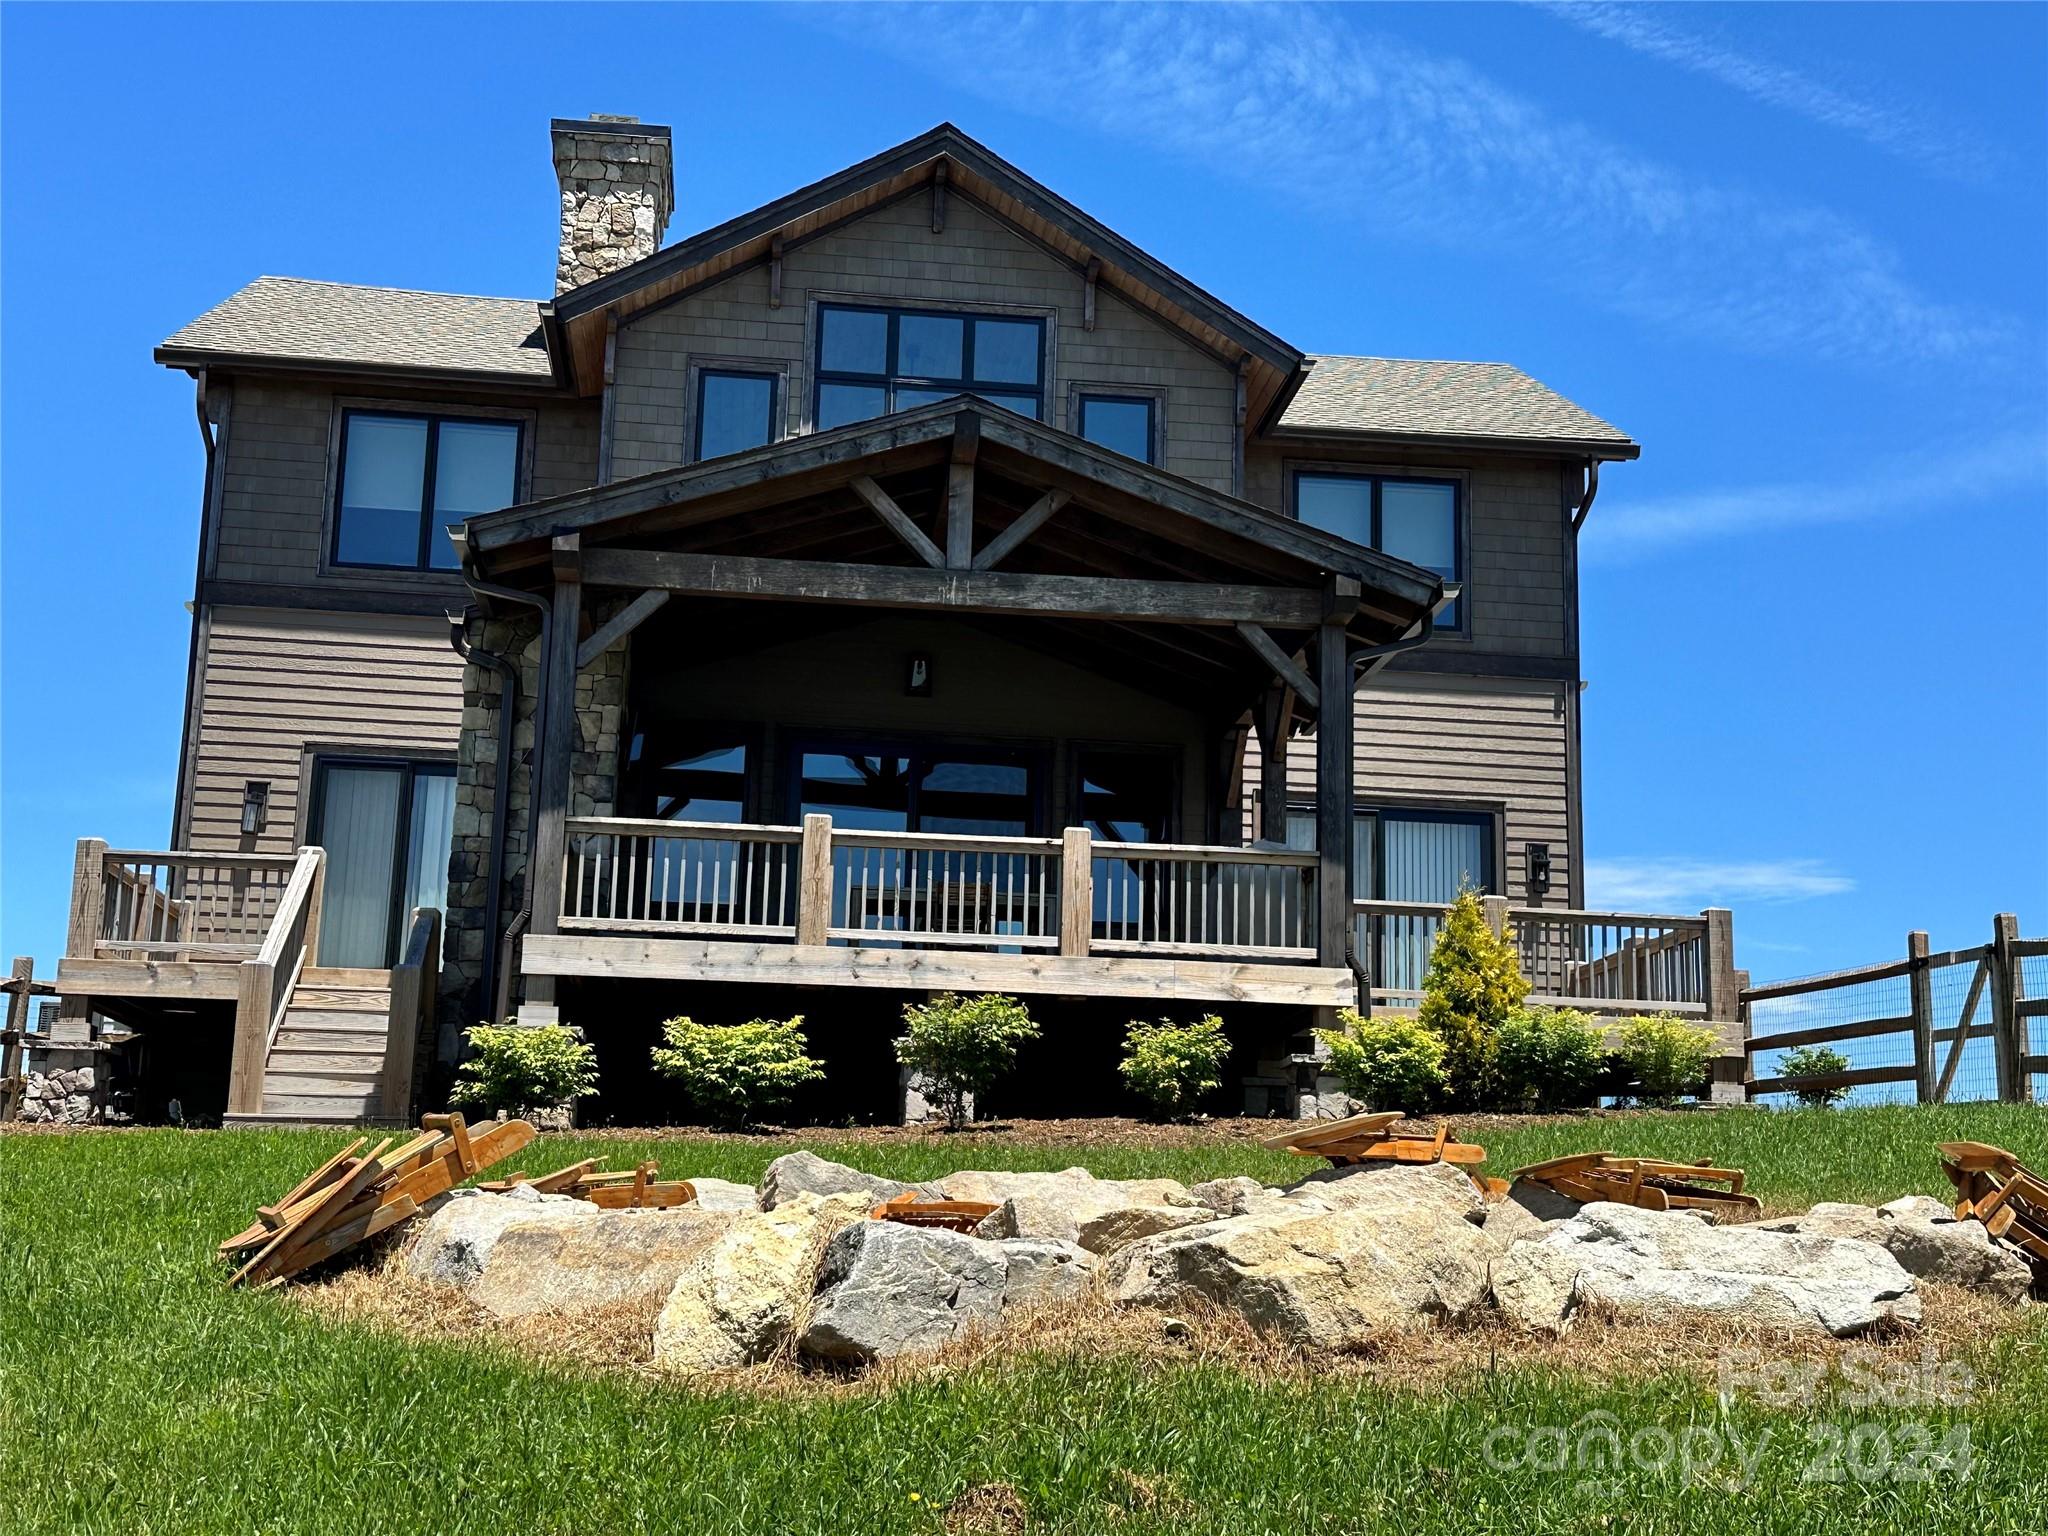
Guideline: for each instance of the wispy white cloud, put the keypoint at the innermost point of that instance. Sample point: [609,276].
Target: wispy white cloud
[1686,885]
[1893,126]
[1310,105]
[1972,472]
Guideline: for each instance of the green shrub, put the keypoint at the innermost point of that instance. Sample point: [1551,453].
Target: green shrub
[1389,1061]
[1815,1061]
[515,1068]
[961,1045]
[1666,1058]
[1473,985]
[732,1072]
[1172,1065]
[1548,1059]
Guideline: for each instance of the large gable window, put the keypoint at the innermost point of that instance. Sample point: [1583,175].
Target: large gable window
[874,361]
[406,479]
[1414,520]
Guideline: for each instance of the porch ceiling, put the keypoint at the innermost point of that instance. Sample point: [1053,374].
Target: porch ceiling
[1089,551]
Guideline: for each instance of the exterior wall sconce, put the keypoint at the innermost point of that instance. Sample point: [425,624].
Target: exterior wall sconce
[917,675]
[255,805]
[1538,856]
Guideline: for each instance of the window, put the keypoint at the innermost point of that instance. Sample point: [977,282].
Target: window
[406,479]
[984,792]
[1412,520]
[735,412]
[387,827]
[1120,423]
[687,772]
[874,361]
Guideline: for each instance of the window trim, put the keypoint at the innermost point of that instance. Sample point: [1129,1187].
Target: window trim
[345,406]
[777,373]
[889,380]
[1460,482]
[1154,400]
[411,763]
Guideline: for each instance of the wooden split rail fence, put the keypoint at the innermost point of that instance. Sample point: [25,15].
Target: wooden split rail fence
[1897,1000]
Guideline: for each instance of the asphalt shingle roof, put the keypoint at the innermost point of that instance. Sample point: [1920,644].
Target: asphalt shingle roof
[294,319]
[1466,400]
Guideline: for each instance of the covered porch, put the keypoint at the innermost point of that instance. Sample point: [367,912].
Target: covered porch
[948,700]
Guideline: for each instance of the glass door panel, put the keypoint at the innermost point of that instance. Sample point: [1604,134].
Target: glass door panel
[359,815]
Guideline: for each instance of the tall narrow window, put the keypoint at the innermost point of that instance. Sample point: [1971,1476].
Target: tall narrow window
[735,411]
[874,361]
[1121,423]
[1413,520]
[406,480]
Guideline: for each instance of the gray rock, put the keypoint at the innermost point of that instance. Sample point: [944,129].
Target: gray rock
[456,1243]
[1529,1209]
[1927,1240]
[1037,1273]
[806,1173]
[1127,1224]
[1322,1277]
[1234,1196]
[739,1300]
[1439,1188]
[1666,1264]
[885,1289]
[1055,1206]
[614,1258]
[724,1195]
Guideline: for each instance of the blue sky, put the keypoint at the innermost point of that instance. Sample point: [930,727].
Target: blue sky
[1801,253]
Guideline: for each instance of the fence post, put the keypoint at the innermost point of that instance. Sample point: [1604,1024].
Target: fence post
[814,880]
[2008,987]
[13,1060]
[1921,980]
[1077,890]
[88,912]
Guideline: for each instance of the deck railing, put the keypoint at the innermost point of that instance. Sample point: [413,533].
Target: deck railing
[264,984]
[192,905]
[820,884]
[1605,962]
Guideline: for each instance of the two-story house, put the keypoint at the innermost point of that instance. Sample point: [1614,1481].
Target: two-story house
[908,584]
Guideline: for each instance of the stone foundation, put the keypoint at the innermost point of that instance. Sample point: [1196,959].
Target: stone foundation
[68,1088]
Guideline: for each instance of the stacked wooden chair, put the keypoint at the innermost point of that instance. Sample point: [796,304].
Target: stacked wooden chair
[632,1189]
[1994,1187]
[911,1210]
[1647,1183]
[1373,1138]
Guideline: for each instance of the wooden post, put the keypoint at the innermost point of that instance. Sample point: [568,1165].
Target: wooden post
[1496,910]
[1721,982]
[960,492]
[19,1002]
[2009,1029]
[1921,981]
[814,881]
[559,733]
[1077,890]
[1275,722]
[1333,792]
[314,898]
[88,912]
[254,980]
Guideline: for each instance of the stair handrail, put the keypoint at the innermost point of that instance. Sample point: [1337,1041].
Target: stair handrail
[260,1002]
[415,985]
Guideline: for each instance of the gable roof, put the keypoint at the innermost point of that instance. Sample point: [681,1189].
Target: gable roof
[1486,403]
[1028,206]
[350,327]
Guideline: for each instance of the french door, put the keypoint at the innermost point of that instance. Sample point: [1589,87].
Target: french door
[387,825]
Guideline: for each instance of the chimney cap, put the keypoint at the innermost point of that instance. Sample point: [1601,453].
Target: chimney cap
[602,123]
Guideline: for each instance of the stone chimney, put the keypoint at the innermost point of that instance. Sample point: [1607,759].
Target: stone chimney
[618,189]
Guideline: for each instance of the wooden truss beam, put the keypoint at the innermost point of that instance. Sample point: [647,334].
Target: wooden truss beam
[960,493]
[898,521]
[620,625]
[892,586]
[1284,666]
[1026,524]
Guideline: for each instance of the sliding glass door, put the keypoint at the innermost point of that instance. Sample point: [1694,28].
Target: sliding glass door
[1422,856]
[387,826]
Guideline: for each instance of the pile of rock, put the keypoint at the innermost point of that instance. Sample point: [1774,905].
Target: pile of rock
[64,1097]
[797,1268]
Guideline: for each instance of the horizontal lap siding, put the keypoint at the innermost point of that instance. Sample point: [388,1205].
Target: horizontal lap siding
[277,680]
[1458,745]
[276,474]
[892,256]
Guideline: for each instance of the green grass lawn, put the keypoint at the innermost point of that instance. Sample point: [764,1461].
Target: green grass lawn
[137,1396]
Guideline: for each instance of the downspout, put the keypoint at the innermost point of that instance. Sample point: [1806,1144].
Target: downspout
[508,694]
[1586,501]
[500,942]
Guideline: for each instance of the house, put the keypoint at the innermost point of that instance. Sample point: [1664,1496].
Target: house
[909,584]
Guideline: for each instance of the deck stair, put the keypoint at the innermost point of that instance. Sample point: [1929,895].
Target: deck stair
[327,1063]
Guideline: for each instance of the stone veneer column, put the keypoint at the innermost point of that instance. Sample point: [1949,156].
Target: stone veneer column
[618,189]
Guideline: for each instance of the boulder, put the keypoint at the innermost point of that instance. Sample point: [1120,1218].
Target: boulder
[1529,1209]
[1234,1196]
[1038,1273]
[737,1302]
[1322,1277]
[456,1243]
[1127,1224]
[724,1195]
[885,1289]
[1667,1264]
[1054,1206]
[614,1258]
[1927,1240]
[1439,1188]
[806,1173]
